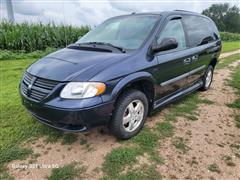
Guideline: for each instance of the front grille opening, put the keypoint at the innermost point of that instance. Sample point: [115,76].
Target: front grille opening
[37,88]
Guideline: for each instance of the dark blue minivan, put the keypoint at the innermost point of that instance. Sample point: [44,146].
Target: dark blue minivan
[121,71]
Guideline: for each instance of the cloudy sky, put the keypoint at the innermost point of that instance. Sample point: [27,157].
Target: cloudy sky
[93,12]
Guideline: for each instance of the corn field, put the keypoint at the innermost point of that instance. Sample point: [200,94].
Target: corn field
[32,37]
[27,37]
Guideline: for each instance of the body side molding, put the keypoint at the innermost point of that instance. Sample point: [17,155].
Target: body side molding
[182,76]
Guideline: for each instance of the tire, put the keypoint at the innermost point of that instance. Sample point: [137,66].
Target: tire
[129,115]
[207,78]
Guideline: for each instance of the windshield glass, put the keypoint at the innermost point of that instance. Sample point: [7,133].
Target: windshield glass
[128,32]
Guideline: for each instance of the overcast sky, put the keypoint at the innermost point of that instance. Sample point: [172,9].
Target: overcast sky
[83,12]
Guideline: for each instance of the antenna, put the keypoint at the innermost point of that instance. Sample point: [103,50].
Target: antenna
[10,10]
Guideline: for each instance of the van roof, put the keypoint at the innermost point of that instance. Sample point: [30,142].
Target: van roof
[167,13]
[170,12]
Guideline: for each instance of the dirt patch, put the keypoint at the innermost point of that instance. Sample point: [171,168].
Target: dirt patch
[209,139]
[90,155]
[223,55]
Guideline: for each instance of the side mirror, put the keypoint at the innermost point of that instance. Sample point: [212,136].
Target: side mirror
[166,44]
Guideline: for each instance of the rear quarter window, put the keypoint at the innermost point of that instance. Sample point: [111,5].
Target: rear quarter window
[200,30]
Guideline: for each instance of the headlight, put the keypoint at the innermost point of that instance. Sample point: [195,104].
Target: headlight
[80,90]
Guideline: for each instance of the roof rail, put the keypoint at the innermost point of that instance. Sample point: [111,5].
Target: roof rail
[183,10]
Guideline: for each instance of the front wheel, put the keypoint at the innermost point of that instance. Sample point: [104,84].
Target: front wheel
[130,114]
[207,78]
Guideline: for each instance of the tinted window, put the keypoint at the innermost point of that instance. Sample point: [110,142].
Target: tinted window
[200,30]
[174,29]
[213,29]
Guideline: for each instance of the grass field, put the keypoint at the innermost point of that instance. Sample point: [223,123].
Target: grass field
[227,61]
[17,126]
[235,82]
[230,46]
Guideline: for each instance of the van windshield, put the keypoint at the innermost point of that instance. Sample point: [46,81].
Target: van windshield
[128,32]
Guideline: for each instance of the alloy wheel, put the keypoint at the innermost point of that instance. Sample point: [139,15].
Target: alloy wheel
[133,115]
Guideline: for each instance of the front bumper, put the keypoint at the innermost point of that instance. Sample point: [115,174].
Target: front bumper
[69,118]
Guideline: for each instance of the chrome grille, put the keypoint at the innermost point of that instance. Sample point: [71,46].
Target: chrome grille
[36,88]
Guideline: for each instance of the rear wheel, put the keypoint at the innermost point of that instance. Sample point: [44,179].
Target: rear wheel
[207,78]
[130,114]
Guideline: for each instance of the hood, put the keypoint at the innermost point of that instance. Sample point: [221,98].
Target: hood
[69,64]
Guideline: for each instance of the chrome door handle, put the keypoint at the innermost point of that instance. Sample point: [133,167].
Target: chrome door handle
[187,61]
[195,57]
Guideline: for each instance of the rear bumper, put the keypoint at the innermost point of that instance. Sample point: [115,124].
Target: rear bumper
[70,119]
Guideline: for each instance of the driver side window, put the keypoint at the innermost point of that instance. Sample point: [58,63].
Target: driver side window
[174,29]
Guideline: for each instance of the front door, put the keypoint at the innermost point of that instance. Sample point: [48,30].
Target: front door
[173,65]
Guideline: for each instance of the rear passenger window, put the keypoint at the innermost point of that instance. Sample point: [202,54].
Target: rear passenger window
[174,29]
[200,30]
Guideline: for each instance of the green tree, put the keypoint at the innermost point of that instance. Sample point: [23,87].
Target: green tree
[226,18]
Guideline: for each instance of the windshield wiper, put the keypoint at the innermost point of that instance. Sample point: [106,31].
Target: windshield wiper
[107,44]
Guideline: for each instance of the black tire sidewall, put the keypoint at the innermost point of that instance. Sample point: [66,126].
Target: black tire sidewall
[204,88]
[116,125]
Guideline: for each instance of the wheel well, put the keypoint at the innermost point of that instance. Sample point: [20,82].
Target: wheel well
[213,62]
[144,86]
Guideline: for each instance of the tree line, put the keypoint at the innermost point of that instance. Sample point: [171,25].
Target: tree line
[227,18]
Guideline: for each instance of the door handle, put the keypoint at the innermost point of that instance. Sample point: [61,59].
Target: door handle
[195,57]
[187,61]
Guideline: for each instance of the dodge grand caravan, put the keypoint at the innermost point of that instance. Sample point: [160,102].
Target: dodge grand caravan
[122,70]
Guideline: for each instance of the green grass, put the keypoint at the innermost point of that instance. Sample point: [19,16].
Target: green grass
[14,152]
[147,139]
[186,108]
[145,142]
[67,172]
[53,136]
[180,144]
[235,149]
[20,55]
[214,168]
[227,36]
[69,139]
[4,175]
[230,46]
[145,172]
[235,104]
[165,129]
[16,125]
[235,83]
[83,141]
[86,145]
[119,158]
[237,120]
[228,60]
[228,160]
